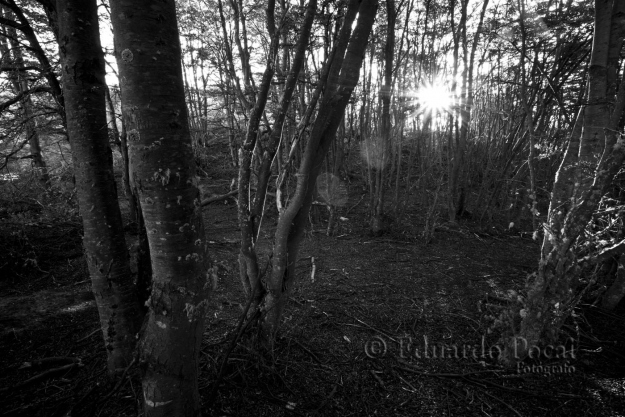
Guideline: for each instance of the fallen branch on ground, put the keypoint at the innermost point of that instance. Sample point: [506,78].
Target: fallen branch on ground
[218,198]
[222,197]
[43,376]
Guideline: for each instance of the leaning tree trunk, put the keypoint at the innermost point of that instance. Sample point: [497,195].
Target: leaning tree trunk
[24,26]
[162,170]
[550,297]
[342,78]
[251,212]
[104,243]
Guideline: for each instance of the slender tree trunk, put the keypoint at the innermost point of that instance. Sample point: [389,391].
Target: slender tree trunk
[20,82]
[455,149]
[162,169]
[343,76]
[377,211]
[529,117]
[24,26]
[248,261]
[120,140]
[251,212]
[245,104]
[551,294]
[129,191]
[104,243]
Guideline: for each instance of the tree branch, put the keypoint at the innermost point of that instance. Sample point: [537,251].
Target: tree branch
[20,96]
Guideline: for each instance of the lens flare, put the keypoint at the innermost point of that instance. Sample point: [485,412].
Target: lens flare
[434,98]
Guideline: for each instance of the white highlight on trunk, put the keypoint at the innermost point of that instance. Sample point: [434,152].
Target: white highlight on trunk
[154,404]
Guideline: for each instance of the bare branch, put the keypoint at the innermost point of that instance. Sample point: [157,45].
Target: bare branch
[20,96]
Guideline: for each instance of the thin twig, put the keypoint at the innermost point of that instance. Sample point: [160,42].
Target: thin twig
[373,328]
[119,383]
[354,206]
[327,400]
[89,335]
[239,331]
[514,410]
[42,376]
[219,198]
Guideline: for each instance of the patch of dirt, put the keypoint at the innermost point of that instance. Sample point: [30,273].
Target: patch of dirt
[364,336]
[20,312]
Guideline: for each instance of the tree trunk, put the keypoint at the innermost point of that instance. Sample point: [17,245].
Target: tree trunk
[104,243]
[456,143]
[616,292]
[251,212]
[24,26]
[551,294]
[126,180]
[20,84]
[377,211]
[342,78]
[162,169]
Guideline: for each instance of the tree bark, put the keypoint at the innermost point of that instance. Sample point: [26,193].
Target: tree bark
[248,262]
[104,242]
[251,212]
[120,139]
[616,292]
[342,78]
[20,84]
[148,56]
[384,146]
[550,295]
[24,26]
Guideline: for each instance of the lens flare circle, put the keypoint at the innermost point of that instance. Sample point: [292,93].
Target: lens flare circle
[332,190]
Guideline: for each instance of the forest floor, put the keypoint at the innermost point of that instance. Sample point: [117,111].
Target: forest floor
[362,336]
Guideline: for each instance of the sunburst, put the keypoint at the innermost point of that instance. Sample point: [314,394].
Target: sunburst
[434,98]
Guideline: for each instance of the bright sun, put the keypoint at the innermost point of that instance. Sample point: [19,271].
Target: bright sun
[434,97]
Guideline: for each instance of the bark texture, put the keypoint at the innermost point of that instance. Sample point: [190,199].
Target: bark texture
[251,212]
[19,80]
[377,209]
[104,242]
[594,156]
[162,170]
[344,70]
[22,24]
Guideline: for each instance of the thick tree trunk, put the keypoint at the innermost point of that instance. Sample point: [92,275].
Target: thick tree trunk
[104,243]
[161,167]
